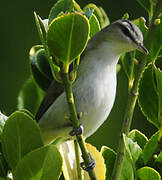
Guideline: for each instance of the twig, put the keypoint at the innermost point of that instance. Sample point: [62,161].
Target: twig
[77,155]
[74,119]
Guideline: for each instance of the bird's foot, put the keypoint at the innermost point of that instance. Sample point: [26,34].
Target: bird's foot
[77,131]
[90,166]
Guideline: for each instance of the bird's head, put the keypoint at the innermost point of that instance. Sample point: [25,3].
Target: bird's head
[124,36]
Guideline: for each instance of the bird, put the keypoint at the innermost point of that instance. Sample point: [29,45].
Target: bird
[94,89]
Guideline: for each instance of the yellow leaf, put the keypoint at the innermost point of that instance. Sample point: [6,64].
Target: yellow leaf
[100,168]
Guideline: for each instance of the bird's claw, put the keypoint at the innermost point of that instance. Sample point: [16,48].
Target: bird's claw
[90,166]
[77,131]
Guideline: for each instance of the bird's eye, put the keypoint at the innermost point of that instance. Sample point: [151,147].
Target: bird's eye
[126,31]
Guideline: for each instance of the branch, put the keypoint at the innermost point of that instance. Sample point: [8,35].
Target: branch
[74,119]
[132,98]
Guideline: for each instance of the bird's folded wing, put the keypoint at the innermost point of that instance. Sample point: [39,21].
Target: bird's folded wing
[54,90]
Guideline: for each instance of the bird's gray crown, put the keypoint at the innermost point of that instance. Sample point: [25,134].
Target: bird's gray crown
[123,35]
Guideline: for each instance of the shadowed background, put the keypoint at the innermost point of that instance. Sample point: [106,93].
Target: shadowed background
[18,34]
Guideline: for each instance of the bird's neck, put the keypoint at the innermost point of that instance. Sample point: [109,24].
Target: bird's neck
[102,57]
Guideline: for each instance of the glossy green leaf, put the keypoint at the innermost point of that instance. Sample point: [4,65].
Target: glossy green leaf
[20,136]
[96,12]
[63,6]
[105,18]
[128,64]
[156,44]
[132,148]
[30,96]
[93,21]
[44,163]
[150,147]
[158,74]
[40,67]
[94,25]
[138,137]
[148,173]
[41,29]
[109,157]
[65,40]
[149,106]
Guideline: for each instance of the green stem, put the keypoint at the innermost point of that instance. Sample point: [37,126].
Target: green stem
[74,119]
[132,98]
[77,155]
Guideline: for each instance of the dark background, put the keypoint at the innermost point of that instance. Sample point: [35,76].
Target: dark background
[18,34]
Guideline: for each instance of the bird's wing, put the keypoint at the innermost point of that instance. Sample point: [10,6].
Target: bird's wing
[54,90]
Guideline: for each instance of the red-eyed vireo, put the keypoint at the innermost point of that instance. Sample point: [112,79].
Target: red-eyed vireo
[95,87]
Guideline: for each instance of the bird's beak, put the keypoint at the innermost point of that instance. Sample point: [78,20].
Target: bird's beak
[142,48]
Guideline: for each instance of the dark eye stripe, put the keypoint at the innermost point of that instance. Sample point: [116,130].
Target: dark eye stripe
[126,31]
[130,26]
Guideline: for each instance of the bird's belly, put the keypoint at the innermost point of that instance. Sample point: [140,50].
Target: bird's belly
[95,102]
[93,98]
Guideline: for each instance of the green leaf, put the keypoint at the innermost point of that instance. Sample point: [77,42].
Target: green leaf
[41,29]
[63,6]
[93,21]
[128,64]
[94,25]
[127,170]
[65,40]
[138,137]
[132,148]
[156,44]
[109,157]
[148,173]
[150,147]
[105,18]
[40,67]
[149,106]
[96,12]
[158,74]
[30,96]
[20,136]
[44,163]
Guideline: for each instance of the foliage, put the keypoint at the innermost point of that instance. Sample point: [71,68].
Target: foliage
[22,152]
